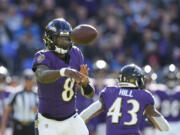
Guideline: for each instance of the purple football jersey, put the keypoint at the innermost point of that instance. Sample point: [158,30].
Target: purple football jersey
[168,103]
[57,99]
[124,109]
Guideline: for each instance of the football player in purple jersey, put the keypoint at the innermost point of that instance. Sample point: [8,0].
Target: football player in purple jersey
[168,99]
[126,104]
[59,68]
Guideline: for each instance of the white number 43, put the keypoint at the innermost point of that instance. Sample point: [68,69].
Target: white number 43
[115,111]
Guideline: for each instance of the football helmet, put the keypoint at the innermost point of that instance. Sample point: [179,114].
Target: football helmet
[100,68]
[171,75]
[132,76]
[57,36]
[3,75]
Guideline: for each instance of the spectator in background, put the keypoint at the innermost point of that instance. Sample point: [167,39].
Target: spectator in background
[13,19]
[5,33]
[23,104]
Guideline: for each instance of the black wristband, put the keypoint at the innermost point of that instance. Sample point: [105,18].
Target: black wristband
[87,90]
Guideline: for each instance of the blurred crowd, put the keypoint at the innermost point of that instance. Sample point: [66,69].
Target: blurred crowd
[139,31]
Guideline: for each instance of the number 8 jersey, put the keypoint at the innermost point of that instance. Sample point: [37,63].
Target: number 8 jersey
[124,109]
[57,99]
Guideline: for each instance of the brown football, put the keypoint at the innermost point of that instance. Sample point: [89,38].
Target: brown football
[83,34]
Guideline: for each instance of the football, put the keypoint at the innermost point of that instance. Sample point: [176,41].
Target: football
[83,34]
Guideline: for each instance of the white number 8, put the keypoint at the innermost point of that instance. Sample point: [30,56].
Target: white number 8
[68,93]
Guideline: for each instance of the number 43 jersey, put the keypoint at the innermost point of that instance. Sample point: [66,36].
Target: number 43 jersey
[124,109]
[56,99]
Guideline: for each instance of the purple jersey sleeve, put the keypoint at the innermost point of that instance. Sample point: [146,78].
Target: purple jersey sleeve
[148,97]
[102,94]
[41,58]
[80,55]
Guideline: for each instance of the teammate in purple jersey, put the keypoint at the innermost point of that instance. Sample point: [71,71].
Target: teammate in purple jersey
[57,72]
[126,104]
[168,99]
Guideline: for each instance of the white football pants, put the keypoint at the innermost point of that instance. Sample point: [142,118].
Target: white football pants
[71,126]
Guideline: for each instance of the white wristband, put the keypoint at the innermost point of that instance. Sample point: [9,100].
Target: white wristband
[62,71]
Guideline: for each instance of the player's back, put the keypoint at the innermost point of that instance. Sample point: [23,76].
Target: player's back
[166,101]
[124,109]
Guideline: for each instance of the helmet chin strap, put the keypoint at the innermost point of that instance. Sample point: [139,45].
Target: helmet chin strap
[60,50]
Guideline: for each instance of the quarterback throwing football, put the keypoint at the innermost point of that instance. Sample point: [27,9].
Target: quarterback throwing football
[57,72]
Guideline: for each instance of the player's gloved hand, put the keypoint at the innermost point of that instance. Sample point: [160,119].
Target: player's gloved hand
[84,70]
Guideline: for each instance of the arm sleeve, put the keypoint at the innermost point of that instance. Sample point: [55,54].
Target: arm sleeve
[102,97]
[102,94]
[91,110]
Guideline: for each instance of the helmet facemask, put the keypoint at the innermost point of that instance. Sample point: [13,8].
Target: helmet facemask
[62,44]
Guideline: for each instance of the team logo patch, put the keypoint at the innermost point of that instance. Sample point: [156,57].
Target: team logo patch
[40,58]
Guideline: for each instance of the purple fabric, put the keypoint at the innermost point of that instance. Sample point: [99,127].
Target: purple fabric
[169,100]
[110,95]
[50,95]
